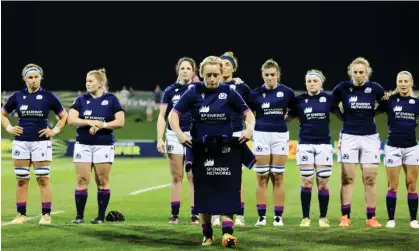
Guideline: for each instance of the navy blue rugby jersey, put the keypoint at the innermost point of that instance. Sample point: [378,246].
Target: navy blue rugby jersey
[271,105]
[33,110]
[102,108]
[402,113]
[358,105]
[211,109]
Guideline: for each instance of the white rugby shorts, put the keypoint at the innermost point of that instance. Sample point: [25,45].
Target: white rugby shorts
[93,153]
[396,156]
[363,149]
[313,154]
[32,150]
[267,143]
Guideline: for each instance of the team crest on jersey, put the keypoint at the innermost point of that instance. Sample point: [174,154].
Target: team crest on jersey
[233,87]
[23,107]
[204,109]
[87,113]
[222,95]
[175,98]
[264,94]
[209,162]
[105,102]
[411,101]
[88,102]
[322,99]
[39,97]
[266,105]
[368,90]
[353,99]
[308,110]
[279,94]
[397,108]
[24,97]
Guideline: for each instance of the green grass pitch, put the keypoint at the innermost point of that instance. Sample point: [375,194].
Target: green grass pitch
[147,215]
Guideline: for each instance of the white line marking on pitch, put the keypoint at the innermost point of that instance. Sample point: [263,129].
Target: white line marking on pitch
[32,218]
[149,189]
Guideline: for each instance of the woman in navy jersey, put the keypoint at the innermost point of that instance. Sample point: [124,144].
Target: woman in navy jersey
[401,149]
[95,114]
[211,105]
[359,141]
[230,65]
[185,69]
[32,142]
[270,139]
[314,151]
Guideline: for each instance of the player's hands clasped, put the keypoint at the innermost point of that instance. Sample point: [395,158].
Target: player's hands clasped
[246,136]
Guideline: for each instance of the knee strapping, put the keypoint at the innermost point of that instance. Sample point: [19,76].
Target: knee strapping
[306,173]
[324,173]
[261,170]
[277,169]
[42,172]
[22,172]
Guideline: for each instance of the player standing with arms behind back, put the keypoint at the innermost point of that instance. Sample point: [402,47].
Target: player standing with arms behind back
[95,114]
[401,149]
[359,141]
[185,69]
[270,139]
[32,143]
[314,152]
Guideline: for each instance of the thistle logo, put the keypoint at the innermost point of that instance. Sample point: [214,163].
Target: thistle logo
[411,101]
[87,113]
[322,99]
[353,99]
[279,94]
[23,107]
[175,98]
[367,90]
[266,105]
[105,102]
[209,162]
[204,109]
[308,110]
[397,108]
[222,95]
[39,97]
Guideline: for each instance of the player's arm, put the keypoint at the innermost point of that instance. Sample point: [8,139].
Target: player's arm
[182,106]
[119,115]
[8,107]
[336,99]
[161,127]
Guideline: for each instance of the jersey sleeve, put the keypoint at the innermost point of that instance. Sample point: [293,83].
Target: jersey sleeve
[237,103]
[337,95]
[245,93]
[166,98]
[379,92]
[247,157]
[55,104]
[116,105]
[185,102]
[76,104]
[10,104]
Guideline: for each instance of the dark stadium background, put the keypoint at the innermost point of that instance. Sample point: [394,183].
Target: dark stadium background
[140,42]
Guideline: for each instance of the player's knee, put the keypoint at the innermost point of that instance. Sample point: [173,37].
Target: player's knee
[411,186]
[323,184]
[307,173]
[102,181]
[22,173]
[177,178]
[347,179]
[43,181]
[393,186]
[369,180]
[82,181]
[307,183]
[277,169]
[324,173]
[262,170]
[41,172]
[262,181]
[22,182]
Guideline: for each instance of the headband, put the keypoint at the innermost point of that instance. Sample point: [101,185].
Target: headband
[229,59]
